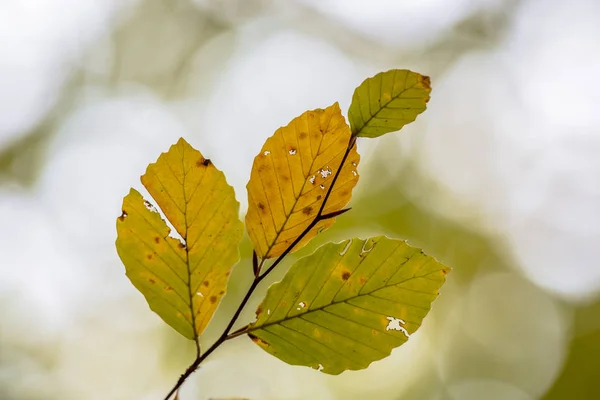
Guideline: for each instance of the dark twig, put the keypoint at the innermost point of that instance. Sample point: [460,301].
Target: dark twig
[255,267]
[258,278]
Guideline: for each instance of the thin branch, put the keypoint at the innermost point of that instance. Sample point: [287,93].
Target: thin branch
[255,267]
[258,278]
[216,344]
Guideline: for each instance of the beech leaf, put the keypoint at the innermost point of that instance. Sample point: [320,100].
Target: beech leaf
[387,101]
[291,176]
[182,280]
[348,304]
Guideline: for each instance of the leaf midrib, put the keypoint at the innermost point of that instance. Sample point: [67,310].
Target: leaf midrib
[287,217]
[310,310]
[187,250]
[365,123]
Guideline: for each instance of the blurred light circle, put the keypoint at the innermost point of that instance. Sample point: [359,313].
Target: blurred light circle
[478,389]
[404,24]
[98,153]
[504,328]
[258,375]
[524,178]
[126,356]
[41,47]
[554,227]
[270,79]
[557,69]
[36,271]
[412,361]
[463,144]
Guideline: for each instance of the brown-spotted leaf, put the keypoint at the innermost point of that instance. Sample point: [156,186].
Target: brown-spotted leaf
[348,304]
[183,281]
[292,175]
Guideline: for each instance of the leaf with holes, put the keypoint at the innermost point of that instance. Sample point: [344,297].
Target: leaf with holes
[292,176]
[348,304]
[387,101]
[183,279]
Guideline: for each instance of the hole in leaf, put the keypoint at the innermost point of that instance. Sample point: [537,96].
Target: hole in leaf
[395,324]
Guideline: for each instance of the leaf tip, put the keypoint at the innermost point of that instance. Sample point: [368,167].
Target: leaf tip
[182,142]
[425,82]
[124,213]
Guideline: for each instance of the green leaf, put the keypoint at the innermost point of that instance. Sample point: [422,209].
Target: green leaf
[348,304]
[183,281]
[387,102]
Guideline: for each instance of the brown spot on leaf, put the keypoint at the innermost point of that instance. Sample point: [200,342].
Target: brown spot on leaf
[346,275]
[261,206]
[303,135]
[157,240]
[307,210]
[168,288]
[150,256]
[426,82]
[213,299]
[203,162]
[152,281]
[319,197]
[206,283]
[258,340]
[222,292]
[363,280]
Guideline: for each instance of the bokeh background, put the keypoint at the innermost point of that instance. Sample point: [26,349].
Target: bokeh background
[499,179]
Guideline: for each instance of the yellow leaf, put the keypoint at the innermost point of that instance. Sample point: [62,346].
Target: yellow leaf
[182,280]
[292,175]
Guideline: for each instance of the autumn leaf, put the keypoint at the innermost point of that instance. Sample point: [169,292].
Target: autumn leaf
[348,304]
[292,175]
[182,280]
[388,101]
